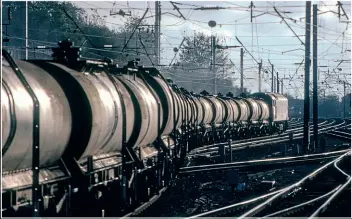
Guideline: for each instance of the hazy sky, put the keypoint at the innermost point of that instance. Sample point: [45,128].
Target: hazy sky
[267,37]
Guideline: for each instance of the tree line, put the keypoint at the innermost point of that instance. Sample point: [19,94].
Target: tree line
[51,21]
[192,69]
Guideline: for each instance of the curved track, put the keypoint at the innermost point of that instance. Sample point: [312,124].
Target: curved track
[297,133]
[272,204]
[264,164]
[259,165]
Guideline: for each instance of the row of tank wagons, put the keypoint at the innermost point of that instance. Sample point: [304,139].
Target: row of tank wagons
[94,111]
[84,113]
[81,113]
[200,110]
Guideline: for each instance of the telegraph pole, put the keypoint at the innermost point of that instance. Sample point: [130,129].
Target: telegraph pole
[259,77]
[315,75]
[242,90]
[277,82]
[251,6]
[26,29]
[213,46]
[157,31]
[282,86]
[272,78]
[344,99]
[306,135]
[213,61]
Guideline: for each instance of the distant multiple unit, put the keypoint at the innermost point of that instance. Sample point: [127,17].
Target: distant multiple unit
[86,138]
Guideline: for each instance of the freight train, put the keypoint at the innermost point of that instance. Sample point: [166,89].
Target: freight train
[89,138]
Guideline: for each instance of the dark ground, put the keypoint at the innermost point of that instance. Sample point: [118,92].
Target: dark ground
[201,192]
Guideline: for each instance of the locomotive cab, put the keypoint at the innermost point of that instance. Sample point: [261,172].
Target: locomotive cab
[278,109]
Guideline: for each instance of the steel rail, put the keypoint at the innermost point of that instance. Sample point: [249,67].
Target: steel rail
[295,127]
[214,147]
[270,201]
[145,205]
[286,211]
[153,199]
[273,195]
[323,207]
[263,162]
[237,146]
[227,209]
[340,134]
[244,140]
[343,172]
[260,160]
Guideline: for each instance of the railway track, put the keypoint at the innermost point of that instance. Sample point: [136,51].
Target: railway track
[320,199]
[293,128]
[153,199]
[312,194]
[340,134]
[263,164]
[214,146]
[145,206]
[297,133]
[260,165]
[296,129]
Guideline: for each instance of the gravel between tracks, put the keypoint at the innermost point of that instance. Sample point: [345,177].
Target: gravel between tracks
[203,192]
[194,194]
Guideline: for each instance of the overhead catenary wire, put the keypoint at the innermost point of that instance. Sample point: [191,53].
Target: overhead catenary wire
[285,60]
[78,27]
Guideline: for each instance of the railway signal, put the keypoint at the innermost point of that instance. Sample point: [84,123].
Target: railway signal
[66,52]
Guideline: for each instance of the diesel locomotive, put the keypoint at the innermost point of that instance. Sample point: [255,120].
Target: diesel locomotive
[89,138]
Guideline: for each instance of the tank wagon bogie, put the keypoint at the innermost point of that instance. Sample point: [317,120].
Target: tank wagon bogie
[106,132]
